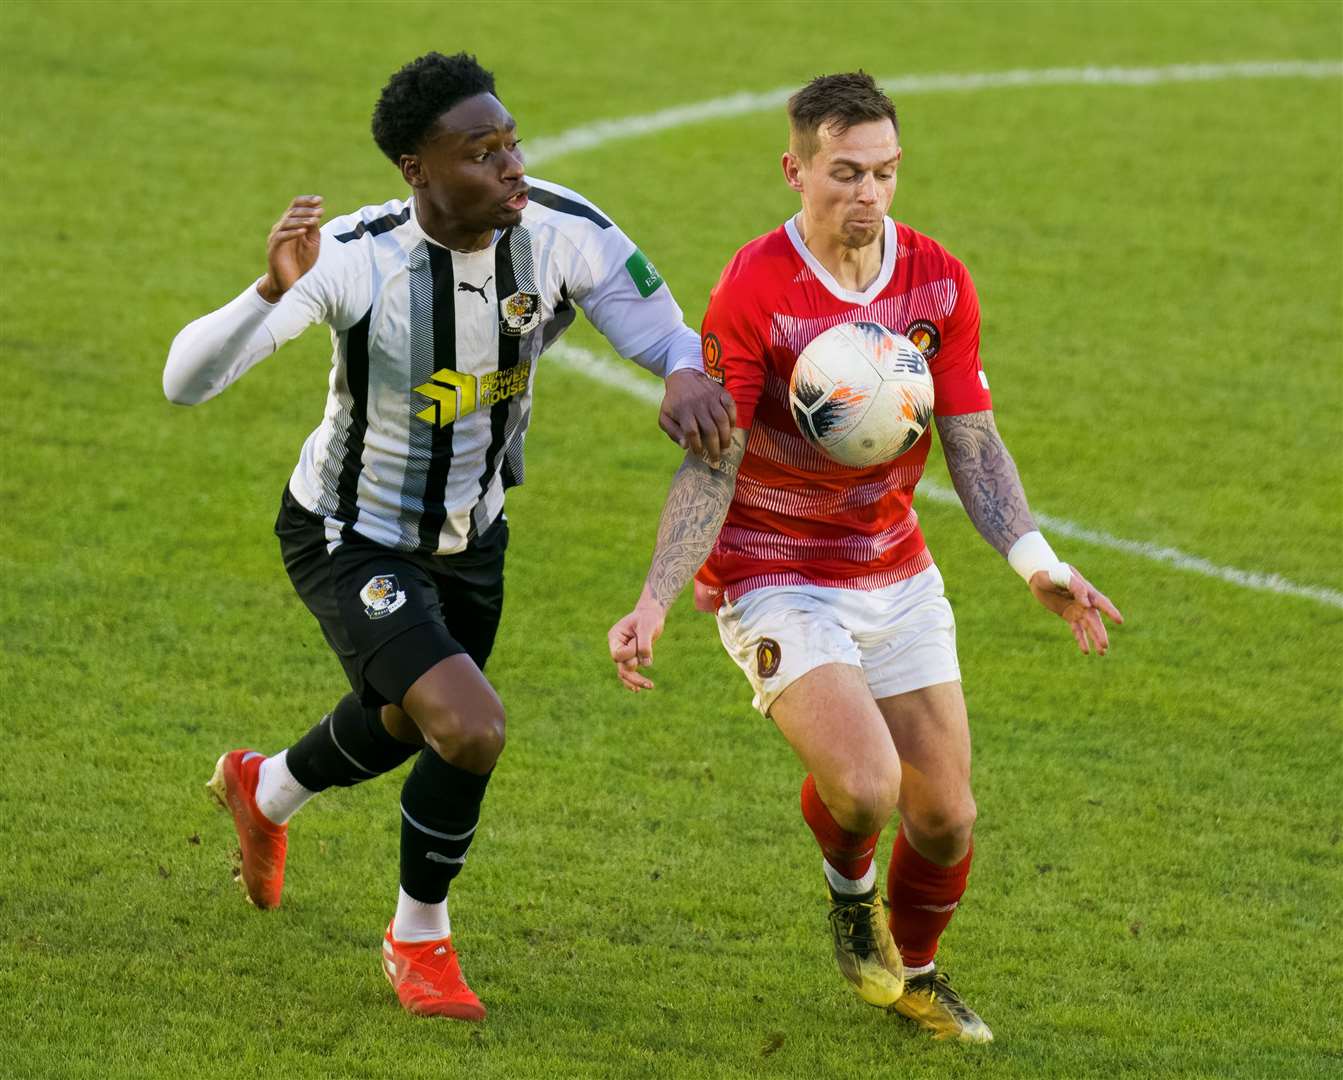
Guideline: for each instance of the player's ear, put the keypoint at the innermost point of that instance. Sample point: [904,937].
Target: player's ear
[792,168]
[412,170]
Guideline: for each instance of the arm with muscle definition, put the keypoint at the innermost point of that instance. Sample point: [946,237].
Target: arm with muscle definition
[697,503]
[986,479]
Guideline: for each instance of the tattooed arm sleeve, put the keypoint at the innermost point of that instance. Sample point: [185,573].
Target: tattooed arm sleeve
[691,517]
[985,477]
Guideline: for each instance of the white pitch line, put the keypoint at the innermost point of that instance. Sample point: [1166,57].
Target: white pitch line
[600,132]
[627,379]
[603,370]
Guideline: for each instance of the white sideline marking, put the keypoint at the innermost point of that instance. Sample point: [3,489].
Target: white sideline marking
[623,377]
[600,132]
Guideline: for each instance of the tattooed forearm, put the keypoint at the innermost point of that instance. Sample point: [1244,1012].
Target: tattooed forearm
[985,477]
[691,517]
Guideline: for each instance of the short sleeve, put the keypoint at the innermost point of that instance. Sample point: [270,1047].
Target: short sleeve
[959,383]
[734,347]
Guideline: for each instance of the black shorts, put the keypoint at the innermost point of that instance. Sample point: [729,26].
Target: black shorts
[392,615]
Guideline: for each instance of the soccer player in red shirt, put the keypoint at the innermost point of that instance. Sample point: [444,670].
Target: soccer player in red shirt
[826,594]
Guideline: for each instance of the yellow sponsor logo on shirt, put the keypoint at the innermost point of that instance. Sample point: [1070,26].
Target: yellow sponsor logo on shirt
[455,394]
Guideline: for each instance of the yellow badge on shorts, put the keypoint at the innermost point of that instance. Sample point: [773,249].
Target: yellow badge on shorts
[767,657]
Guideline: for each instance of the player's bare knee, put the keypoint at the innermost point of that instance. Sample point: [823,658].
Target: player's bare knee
[865,797]
[400,726]
[944,826]
[487,735]
[472,738]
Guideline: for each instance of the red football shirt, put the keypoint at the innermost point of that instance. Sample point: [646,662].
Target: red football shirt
[798,517]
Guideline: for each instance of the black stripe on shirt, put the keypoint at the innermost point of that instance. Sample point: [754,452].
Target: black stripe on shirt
[562,319]
[565,206]
[352,461]
[376,227]
[445,356]
[505,276]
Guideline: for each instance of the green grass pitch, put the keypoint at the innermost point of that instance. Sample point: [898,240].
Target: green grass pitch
[1158,887]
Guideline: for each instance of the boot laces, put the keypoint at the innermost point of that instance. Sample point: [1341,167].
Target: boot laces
[851,922]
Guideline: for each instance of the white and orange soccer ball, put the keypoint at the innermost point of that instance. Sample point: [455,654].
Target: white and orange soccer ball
[861,394]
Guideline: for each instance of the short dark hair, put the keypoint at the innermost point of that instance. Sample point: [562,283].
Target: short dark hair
[840,101]
[419,94]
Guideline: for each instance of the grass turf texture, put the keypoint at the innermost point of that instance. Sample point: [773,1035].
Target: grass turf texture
[1157,882]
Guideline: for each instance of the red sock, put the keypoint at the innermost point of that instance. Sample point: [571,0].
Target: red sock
[849,853]
[923,897]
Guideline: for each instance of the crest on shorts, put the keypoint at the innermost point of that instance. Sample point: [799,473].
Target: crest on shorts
[767,657]
[925,336]
[519,314]
[381,596]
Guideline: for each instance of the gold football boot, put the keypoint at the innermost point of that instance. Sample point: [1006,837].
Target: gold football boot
[930,1002]
[864,949]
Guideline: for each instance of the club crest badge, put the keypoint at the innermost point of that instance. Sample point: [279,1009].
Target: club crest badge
[925,336]
[713,358]
[767,657]
[519,314]
[381,596]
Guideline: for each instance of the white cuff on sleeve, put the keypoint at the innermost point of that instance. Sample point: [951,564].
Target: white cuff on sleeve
[1031,553]
[690,361]
[259,302]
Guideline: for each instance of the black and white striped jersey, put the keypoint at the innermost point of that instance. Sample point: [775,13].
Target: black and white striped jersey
[434,358]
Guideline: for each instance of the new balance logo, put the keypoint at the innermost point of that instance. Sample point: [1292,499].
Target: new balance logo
[466,286]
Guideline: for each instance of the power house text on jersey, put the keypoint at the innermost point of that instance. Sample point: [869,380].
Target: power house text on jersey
[797,517]
[434,357]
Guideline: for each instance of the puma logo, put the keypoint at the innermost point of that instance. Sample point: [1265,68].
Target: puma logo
[466,286]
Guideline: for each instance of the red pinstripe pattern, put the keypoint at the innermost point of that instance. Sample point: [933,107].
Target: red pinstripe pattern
[798,516]
[933,301]
[868,582]
[735,541]
[787,448]
[813,503]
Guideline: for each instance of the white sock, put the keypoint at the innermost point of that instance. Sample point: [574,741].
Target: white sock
[910,972]
[415,921]
[850,886]
[278,794]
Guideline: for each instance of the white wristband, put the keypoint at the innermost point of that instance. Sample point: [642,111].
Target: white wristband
[1031,553]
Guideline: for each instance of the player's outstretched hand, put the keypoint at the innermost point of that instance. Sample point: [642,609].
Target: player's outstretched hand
[1081,605]
[631,641]
[292,247]
[698,414]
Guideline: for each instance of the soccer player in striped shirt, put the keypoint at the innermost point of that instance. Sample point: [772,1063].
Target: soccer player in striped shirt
[826,594]
[391,526]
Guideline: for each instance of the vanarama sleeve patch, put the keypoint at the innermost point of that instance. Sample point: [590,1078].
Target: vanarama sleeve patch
[643,273]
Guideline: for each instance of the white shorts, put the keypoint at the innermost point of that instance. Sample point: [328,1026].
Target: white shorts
[902,636]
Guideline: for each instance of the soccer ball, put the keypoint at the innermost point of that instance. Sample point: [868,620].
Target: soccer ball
[861,394]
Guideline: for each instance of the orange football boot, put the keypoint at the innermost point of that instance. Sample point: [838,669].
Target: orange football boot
[427,978]
[263,843]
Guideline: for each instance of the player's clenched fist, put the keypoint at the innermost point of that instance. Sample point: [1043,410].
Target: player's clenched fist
[292,247]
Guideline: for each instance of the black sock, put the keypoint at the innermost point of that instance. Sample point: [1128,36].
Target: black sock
[348,746]
[440,805]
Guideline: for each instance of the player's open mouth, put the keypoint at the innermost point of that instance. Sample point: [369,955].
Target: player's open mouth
[518,201]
